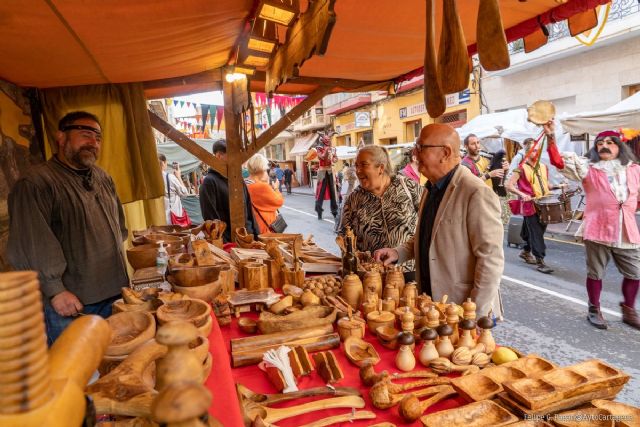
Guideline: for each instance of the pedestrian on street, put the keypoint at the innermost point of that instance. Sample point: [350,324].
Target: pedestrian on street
[458,239]
[279,176]
[266,198]
[67,223]
[349,174]
[611,181]
[530,181]
[288,176]
[174,188]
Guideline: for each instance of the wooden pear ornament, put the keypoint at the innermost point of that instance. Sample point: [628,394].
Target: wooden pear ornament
[179,364]
[181,404]
[466,339]
[405,360]
[428,351]
[444,346]
[486,324]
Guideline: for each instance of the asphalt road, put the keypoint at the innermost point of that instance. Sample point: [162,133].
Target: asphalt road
[544,314]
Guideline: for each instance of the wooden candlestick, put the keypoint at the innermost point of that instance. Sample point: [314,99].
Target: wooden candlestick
[179,363]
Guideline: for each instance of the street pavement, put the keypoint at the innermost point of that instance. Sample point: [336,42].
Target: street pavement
[544,314]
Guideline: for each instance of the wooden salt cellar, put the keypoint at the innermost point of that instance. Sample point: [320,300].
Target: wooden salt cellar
[486,324]
[350,327]
[179,364]
[389,305]
[395,277]
[392,292]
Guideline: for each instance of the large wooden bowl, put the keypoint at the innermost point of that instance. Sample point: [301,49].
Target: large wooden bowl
[143,256]
[207,292]
[200,347]
[189,310]
[195,276]
[161,237]
[129,330]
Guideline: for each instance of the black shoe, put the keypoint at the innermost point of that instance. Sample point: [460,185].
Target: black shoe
[542,267]
[594,316]
[319,211]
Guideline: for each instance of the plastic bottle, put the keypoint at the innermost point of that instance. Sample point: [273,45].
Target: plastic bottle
[162,259]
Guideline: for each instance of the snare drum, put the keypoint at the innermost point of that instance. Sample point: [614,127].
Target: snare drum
[551,210]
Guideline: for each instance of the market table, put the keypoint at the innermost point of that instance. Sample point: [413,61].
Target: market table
[225,405]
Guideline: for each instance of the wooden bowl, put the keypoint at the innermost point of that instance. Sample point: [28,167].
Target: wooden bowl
[119,306]
[145,255]
[350,328]
[129,330]
[388,336]
[206,367]
[247,325]
[200,347]
[376,319]
[190,310]
[205,329]
[359,352]
[195,276]
[160,237]
[207,292]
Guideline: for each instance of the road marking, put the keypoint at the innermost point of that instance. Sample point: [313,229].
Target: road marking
[557,294]
[308,214]
[564,241]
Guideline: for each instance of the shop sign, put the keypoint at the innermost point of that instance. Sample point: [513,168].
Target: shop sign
[453,99]
[403,113]
[363,119]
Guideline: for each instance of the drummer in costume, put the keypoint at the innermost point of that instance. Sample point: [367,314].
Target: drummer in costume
[530,181]
[611,182]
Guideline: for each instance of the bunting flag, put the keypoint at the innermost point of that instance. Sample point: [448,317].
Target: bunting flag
[175,102]
[219,115]
[205,113]
[188,104]
[181,103]
[213,119]
[268,111]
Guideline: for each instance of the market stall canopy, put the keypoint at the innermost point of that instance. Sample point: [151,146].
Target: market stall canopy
[625,114]
[303,144]
[178,47]
[187,161]
[346,153]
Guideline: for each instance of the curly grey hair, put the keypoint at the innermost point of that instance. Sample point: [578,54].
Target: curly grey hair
[380,156]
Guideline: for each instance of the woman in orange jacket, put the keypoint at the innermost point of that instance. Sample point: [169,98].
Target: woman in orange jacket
[265,197]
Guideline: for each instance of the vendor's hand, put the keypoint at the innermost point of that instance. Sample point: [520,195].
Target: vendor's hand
[497,173]
[549,128]
[66,304]
[526,198]
[386,256]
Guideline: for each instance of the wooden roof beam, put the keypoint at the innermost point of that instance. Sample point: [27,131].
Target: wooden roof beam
[211,78]
[187,143]
[285,121]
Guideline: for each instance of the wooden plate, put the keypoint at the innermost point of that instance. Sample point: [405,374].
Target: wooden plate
[532,393]
[477,414]
[584,417]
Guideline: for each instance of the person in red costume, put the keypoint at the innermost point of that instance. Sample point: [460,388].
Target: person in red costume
[611,181]
[327,157]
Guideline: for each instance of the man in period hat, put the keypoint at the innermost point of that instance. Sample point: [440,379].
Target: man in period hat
[611,181]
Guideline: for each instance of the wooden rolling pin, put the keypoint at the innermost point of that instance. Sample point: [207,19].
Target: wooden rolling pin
[250,357]
[453,59]
[433,96]
[249,343]
[490,38]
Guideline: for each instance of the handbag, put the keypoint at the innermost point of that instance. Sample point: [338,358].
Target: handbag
[182,220]
[515,206]
[277,226]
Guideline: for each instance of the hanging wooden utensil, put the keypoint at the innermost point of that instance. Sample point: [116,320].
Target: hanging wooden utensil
[490,38]
[453,59]
[433,97]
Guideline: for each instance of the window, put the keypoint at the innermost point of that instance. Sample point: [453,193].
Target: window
[412,130]
[455,119]
[319,110]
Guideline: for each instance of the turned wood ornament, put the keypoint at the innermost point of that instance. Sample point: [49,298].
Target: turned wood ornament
[469,312]
[379,318]
[395,276]
[452,320]
[486,324]
[179,363]
[388,304]
[466,339]
[370,294]
[444,346]
[181,404]
[391,292]
[410,294]
[433,317]
[374,279]
[407,320]
[350,327]
[405,360]
[352,291]
[428,351]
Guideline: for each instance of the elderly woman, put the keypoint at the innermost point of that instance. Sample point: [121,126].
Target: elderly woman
[265,197]
[383,210]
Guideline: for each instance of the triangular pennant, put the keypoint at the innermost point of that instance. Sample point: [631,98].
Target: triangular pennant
[205,113]
[181,103]
[175,102]
[188,104]
[219,115]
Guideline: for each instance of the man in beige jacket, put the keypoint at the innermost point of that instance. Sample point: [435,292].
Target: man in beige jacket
[458,239]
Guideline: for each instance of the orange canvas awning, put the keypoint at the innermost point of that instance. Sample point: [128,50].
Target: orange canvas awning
[179,46]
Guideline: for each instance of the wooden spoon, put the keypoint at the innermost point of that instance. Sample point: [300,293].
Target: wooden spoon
[433,97]
[383,398]
[270,399]
[271,415]
[411,408]
[351,416]
[453,59]
[490,38]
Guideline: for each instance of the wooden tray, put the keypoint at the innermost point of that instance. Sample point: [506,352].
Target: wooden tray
[562,405]
[531,423]
[598,374]
[532,365]
[477,414]
[629,415]
[591,417]
[487,383]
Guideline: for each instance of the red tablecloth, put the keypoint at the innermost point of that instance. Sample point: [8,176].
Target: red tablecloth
[226,408]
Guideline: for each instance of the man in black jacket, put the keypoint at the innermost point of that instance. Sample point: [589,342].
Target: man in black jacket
[214,196]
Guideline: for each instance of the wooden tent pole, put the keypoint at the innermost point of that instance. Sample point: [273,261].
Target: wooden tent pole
[234,159]
[187,143]
[285,121]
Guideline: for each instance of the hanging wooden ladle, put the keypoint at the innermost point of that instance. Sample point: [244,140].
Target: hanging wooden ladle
[490,38]
[433,96]
[453,59]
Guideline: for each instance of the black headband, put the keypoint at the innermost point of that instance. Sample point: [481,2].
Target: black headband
[81,127]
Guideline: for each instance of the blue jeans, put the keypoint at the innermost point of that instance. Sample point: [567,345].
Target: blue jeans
[55,323]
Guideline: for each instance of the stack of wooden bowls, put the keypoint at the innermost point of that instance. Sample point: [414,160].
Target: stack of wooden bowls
[129,330]
[201,282]
[24,360]
[143,256]
[195,311]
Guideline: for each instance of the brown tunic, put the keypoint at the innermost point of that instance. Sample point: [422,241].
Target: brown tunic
[70,228]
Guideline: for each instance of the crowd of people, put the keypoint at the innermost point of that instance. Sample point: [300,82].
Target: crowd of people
[67,223]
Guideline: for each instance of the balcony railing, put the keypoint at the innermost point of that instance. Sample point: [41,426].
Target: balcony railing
[559,30]
[314,121]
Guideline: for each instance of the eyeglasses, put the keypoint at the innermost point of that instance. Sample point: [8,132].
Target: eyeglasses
[420,147]
[605,141]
